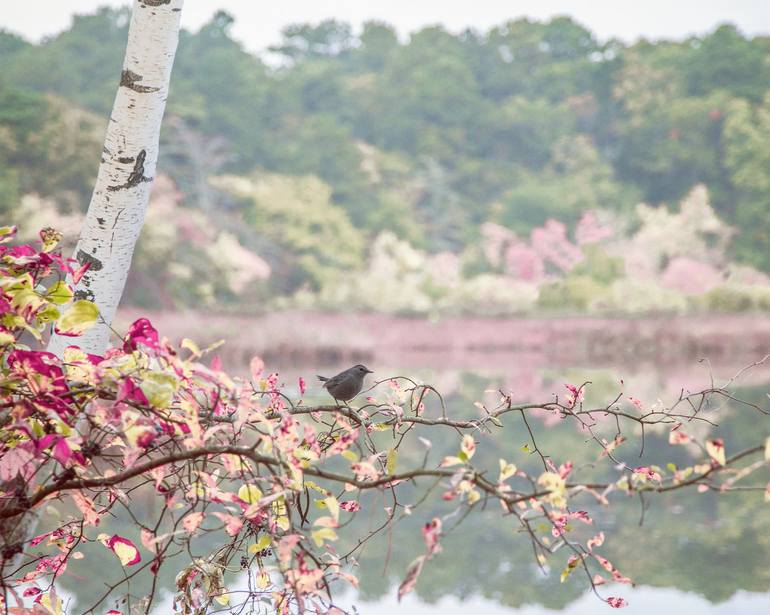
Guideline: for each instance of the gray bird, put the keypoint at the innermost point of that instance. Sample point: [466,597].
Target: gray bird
[346,385]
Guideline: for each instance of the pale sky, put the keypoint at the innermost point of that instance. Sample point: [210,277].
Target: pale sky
[259,22]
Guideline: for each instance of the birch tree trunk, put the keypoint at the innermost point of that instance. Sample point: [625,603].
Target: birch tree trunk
[130,155]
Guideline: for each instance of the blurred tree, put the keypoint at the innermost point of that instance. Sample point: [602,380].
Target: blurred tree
[747,157]
[312,238]
[303,41]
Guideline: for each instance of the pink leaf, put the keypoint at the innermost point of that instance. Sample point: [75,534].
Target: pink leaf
[716,450]
[14,462]
[410,580]
[86,506]
[141,332]
[431,532]
[232,523]
[256,366]
[126,550]
[192,521]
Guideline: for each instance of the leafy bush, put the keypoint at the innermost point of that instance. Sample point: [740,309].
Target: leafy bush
[574,292]
[242,475]
[734,298]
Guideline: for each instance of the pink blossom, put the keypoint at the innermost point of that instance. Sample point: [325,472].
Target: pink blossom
[575,396]
[301,385]
[589,230]
[690,276]
[616,603]
[551,243]
[523,262]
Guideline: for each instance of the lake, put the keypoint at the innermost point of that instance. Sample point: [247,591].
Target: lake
[699,553]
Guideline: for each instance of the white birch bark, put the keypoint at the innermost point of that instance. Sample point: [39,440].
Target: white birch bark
[130,155]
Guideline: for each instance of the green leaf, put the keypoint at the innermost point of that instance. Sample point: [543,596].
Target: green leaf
[262,544]
[78,319]
[159,388]
[59,293]
[251,494]
[390,463]
[27,299]
[48,314]
[325,533]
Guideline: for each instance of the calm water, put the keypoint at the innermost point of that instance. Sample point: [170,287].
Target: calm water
[696,553]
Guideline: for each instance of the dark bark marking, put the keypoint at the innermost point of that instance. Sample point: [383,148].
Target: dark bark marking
[155,2]
[126,159]
[136,176]
[94,264]
[87,295]
[129,79]
[101,222]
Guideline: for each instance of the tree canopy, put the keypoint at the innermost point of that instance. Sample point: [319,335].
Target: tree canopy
[429,138]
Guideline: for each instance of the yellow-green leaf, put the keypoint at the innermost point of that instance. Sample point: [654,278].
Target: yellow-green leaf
[324,533]
[467,446]
[390,463]
[59,293]
[192,347]
[159,388]
[27,299]
[7,233]
[262,544]
[49,313]
[716,450]
[334,507]
[79,318]
[6,338]
[506,470]
[250,494]
[767,449]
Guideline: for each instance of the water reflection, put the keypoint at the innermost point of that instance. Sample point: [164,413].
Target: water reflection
[695,553]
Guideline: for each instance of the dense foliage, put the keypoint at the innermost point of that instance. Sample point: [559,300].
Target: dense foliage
[336,137]
[164,462]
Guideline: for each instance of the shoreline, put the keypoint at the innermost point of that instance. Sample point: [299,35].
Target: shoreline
[309,337]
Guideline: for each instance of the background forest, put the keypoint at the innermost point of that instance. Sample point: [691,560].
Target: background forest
[528,167]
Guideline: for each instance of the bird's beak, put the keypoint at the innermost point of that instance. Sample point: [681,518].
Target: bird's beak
[368,371]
